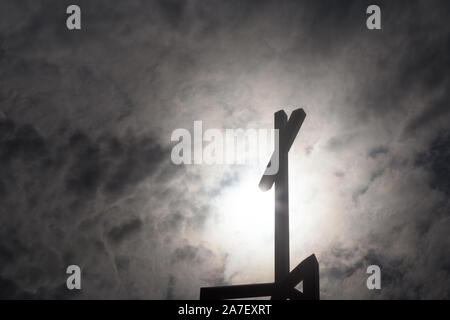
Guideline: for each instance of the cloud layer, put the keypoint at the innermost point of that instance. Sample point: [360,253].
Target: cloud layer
[85,125]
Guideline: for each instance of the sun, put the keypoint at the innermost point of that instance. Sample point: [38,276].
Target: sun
[244,223]
[248,212]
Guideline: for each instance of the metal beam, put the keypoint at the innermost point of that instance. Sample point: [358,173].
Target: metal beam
[237,291]
[282,203]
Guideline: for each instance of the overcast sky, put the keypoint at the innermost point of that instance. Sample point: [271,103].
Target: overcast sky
[86,118]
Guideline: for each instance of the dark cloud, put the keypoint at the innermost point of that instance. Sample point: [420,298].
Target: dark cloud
[437,159]
[337,143]
[119,233]
[359,192]
[380,150]
[54,182]
[429,116]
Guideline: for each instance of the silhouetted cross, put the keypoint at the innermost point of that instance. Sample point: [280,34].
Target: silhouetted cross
[308,270]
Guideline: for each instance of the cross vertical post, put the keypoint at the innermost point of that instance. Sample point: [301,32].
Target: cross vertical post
[282,202]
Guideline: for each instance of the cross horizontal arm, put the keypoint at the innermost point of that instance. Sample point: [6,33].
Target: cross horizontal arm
[237,291]
[307,271]
[289,134]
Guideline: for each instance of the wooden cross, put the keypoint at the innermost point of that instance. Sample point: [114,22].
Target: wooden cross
[308,270]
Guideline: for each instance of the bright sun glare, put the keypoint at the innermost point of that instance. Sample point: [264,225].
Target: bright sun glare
[248,212]
[244,224]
